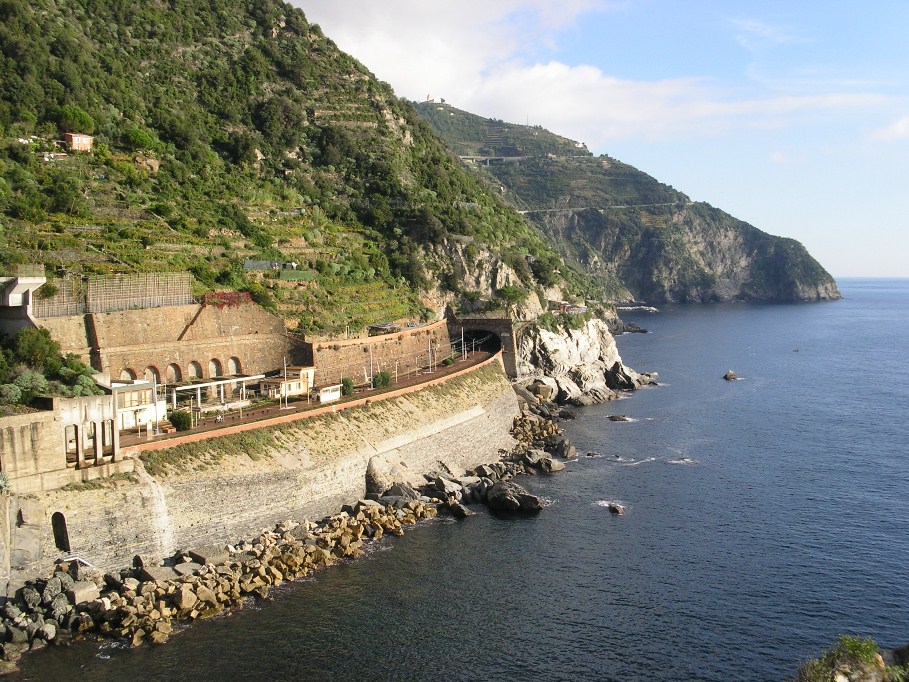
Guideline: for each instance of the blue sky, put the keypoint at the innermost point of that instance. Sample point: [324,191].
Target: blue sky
[793,116]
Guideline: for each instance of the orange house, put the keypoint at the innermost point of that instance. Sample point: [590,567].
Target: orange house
[79,142]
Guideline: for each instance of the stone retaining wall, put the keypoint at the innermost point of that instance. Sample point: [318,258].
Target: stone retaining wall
[310,469]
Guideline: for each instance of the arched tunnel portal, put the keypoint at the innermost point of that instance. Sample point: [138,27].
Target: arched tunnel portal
[490,335]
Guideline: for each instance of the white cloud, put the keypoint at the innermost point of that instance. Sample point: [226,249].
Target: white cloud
[898,130]
[584,103]
[753,34]
[489,57]
[445,49]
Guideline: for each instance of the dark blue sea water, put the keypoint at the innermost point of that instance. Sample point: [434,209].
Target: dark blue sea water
[764,518]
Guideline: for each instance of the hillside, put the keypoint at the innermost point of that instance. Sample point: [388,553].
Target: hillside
[231,131]
[638,237]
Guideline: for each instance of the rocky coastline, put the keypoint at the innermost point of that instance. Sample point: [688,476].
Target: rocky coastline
[576,366]
[148,603]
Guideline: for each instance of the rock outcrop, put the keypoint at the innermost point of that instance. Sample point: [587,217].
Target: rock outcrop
[578,366]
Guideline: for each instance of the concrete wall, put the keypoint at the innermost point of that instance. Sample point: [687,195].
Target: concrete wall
[407,350]
[33,445]
[213,493]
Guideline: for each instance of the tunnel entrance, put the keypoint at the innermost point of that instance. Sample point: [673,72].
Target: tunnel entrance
[482,340]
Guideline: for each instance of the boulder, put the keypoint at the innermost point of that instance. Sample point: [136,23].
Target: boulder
[30,596]
[487,471]
[210,554]
[378,479]
[550,466]
[48,631]
[511,498]
[730,376]
[83,591]
[459,511]
[185,598]
[622,378]
[533,457]
[448,488]
[187,567]
[618,418]
[616,508]
[404,490]
[161,574]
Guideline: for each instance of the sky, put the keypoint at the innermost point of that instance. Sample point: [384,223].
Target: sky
[792,116]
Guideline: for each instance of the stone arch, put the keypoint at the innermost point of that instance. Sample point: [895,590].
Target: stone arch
[173,375]
[152,374]
[194,371]
[126,374]
[214,368]
[61,534]
[234,366]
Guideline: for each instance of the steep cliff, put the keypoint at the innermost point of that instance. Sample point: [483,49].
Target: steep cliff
[581,365]
[637,237]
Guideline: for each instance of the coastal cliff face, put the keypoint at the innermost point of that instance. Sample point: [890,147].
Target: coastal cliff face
[637,237]
[581,366]
[694,254]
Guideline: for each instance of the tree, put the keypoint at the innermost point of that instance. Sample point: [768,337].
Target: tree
[511,296]
[347,386]
[72,119]
[38,350]
[381,379]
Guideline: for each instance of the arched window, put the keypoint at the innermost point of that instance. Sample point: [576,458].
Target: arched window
[195,370]
[214,368]
[173,374]
[152,374]
[234,366]
[61,535]
[127,374]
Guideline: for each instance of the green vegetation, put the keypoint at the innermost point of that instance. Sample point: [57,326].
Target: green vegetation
[850,656]
[227,131]
[181,419]
[347,387]
[188,457]
[381,379]
[31,365]
[632,234]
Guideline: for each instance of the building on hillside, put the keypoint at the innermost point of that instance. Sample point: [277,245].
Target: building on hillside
[295,381]
[79,142]
[327,394]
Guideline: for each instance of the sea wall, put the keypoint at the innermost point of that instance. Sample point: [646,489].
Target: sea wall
[231,487]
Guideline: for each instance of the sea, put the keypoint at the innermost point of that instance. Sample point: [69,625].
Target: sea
[764,518]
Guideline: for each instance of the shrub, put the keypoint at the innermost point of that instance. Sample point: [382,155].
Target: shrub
[347,386]
[848,654]
[181,419]
[381,380]
[10,394]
